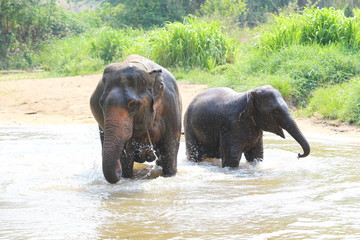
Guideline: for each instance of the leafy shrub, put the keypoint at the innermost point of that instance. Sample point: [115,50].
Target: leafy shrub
[69,56]
[24,25]
[310,67]
[108,44]
[229,10]
[89,52]
[341,101]
[321,26]
[193,43]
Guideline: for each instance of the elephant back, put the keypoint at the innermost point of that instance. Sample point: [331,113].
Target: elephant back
[142,63]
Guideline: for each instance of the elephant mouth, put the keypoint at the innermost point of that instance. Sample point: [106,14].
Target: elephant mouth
[118,166]
[279,131]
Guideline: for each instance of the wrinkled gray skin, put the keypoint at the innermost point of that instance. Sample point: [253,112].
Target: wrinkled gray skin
[222,123]
[138,108]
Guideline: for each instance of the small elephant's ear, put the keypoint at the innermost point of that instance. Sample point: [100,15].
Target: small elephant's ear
[156,70]
[158,85]
[249,104]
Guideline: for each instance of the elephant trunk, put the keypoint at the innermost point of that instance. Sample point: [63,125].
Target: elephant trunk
[117,131]
[291,127]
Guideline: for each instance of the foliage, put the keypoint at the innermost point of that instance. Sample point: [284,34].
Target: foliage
[193,43]
[24,24]
[257,10]
[312,56]
[321,26]
[309,67]
[144,13]
[338,102]
[69,56]
[86,53]
[109,44]
[224,8]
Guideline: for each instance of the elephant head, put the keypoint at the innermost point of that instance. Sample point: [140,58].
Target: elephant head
[129,96]
[270,113]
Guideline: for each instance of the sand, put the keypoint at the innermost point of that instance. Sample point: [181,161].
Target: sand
[65,100]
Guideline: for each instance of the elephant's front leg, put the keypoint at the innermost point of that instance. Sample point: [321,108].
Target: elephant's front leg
[101,131]
[127,163]
[255,153]
[168,151]
[230,151]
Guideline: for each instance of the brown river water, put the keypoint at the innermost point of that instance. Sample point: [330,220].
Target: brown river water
[52,187]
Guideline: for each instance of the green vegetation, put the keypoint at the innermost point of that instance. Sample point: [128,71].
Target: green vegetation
[321,26]
[25,24]
[340,101]
[309,67]
[191,44]
[311,53]
[86,53]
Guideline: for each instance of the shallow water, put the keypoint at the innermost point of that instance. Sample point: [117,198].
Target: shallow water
[52,187]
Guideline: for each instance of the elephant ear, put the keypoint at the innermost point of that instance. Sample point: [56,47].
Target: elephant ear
[249,108]
[158,85]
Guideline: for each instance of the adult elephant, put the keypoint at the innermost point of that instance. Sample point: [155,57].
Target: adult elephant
[222,123]
[138,108]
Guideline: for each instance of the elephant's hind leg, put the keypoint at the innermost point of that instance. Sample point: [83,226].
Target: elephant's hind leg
[255,154]
[194,150]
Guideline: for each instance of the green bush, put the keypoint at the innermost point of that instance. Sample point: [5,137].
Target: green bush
[69,56]
[24,25]
[340,101]
[108,44]
[309,67]
[321,26]
[89,52]
[193,43]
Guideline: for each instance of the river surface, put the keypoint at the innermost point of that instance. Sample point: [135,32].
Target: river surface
[52,187]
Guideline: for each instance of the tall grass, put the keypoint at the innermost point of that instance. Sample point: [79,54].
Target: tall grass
[68,56]
[338,102]
[88,52]
[311,67]
[322,26]
[108,44]
[193,43]
[304,67]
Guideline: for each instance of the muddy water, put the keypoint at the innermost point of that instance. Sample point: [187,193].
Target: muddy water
[51,187]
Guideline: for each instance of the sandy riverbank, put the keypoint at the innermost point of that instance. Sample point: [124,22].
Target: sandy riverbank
[66,101]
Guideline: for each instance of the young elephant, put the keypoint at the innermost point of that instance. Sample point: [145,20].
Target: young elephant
[138,108]
[222,123]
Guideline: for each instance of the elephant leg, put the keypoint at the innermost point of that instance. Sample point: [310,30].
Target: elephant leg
[256,153]
[194,151]
[168,157]
[230,151]
[127,164]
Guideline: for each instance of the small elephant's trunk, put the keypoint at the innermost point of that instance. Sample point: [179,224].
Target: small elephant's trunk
[291,127]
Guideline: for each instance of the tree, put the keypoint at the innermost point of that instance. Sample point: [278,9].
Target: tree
[228,8]
[256,10]
[26,23]
[146,13]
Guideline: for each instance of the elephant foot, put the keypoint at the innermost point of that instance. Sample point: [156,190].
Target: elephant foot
[145,155]
[231,164]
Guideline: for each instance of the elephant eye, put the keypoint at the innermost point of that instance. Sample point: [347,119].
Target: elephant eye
[133,105]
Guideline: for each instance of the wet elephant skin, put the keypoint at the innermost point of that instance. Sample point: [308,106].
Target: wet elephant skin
[138,108]
[222,123]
